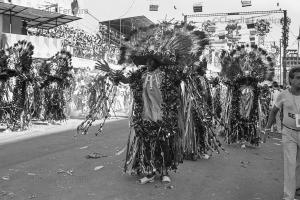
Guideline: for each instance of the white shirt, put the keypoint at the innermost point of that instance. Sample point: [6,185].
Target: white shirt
[291,107]
[275,94]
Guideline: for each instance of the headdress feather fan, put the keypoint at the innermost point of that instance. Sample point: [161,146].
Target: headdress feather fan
[167,43]
[251,59]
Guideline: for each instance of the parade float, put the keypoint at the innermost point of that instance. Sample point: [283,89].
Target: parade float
[243,69]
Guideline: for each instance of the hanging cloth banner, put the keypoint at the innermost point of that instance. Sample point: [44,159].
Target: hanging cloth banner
[253,32]
[211,29]
[252,38]
[153,7]
[43,47]
[246,3]
[250,26]
[222,36]
[197,7]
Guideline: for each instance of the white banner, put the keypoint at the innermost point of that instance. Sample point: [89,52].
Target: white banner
[43,47]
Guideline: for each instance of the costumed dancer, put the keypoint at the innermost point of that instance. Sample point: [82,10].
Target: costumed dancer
[155,138]
[56,76]
[19,78]
[242,70]
[265,99]
[5,90]
[217,99]
[198,128]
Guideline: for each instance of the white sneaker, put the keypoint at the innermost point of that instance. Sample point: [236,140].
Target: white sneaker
[205,156]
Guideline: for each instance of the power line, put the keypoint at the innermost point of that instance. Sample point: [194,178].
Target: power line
[133,1]
[235,13]
[93,16]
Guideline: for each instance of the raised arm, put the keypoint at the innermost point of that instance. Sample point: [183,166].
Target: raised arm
[117,76]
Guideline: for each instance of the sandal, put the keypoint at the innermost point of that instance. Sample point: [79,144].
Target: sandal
[146,180]
[166,179]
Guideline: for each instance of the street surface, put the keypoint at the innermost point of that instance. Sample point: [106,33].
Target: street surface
[55,167]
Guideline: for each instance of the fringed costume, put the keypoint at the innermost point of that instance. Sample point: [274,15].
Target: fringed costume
[58,78]
[17,77]
[162,53]
[199,138]
[154,142]
[242,70]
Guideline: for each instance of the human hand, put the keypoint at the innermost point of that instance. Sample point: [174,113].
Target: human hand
[103,66]
[116,76]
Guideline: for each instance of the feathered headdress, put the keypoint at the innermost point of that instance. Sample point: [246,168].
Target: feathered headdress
[167,43]
[3,60]
[246,61]
[57,69]
[21,56]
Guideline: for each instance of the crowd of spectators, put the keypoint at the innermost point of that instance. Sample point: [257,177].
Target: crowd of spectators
[81,43]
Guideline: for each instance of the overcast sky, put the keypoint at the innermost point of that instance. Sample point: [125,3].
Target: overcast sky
[114,9]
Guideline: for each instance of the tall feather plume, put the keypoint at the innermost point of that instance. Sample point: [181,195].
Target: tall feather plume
[166,42]
[241,59]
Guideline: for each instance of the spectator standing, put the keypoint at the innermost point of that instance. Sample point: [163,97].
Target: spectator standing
[289,100]
[275,92]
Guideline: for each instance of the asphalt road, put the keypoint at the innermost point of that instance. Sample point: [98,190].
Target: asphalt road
[55,167]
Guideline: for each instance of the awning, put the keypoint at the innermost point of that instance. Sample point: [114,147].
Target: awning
[126,25]
[35,17]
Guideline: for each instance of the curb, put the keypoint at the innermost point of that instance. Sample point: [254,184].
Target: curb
[42,130]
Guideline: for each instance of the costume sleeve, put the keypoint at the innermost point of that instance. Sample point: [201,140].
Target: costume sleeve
[280,99]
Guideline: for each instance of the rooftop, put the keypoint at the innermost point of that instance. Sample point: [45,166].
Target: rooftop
[125,25]
[36,18]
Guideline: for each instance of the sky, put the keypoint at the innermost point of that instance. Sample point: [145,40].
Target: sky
[113,9]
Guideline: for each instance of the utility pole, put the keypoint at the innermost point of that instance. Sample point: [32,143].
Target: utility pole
[285,44]
[298,39]
[280,61]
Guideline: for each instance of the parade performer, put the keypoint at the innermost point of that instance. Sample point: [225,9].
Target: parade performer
[17,77]
[243,68]
[59,78]
[55,76]
[265,99]
[5,89]
[197,114]
[217,99]
[161,53]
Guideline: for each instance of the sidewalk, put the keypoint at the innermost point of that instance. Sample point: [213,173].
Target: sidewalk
[43,128]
